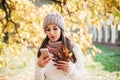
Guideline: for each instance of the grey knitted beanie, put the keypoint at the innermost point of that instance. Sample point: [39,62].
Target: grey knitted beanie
[54,18]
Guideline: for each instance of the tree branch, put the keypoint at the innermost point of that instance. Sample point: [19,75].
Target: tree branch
[7,10]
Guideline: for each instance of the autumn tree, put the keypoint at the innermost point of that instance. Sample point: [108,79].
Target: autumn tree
[21,22]
[19,28]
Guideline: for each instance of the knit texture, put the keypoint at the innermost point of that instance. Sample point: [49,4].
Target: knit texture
[50,72]
[54,18]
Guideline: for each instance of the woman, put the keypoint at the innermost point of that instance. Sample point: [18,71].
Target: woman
[55,66]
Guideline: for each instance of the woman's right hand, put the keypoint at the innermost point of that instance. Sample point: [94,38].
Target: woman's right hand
[43,60]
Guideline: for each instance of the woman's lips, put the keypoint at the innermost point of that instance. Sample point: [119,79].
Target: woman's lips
[52,37]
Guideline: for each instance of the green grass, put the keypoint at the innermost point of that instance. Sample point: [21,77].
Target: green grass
[110,58]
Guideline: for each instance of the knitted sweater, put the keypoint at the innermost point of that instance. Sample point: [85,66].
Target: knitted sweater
[50,72]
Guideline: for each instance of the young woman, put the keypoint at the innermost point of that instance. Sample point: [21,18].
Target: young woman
[55,66]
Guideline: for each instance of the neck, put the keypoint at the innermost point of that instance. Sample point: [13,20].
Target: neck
[54,44]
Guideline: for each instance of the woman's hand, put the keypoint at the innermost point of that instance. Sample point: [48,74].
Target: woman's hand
[62,65]
[43,60]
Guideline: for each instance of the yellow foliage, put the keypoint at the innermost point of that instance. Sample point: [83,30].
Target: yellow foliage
[29,32]
[10,28]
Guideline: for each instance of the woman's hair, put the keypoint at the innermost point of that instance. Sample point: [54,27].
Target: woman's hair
[65,41]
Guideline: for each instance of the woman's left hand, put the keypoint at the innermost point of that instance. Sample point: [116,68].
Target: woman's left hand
[62,65]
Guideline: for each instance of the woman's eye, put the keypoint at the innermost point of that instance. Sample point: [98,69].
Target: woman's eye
[47,29]
[55,28]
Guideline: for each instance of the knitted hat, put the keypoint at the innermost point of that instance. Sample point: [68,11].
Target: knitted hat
[54,18]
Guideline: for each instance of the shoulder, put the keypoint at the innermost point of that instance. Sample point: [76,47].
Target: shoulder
[75,45]
[76,48]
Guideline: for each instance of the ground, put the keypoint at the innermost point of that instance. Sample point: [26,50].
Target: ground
[94,71]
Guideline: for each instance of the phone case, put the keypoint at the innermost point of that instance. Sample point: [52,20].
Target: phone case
[44,51]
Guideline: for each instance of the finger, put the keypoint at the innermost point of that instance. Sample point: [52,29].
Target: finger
[47,59]
[59,54]
[62,66]
[54,60]
[54,57]
[66,69]
[62,62]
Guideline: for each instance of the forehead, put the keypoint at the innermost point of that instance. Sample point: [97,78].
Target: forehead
[51,26]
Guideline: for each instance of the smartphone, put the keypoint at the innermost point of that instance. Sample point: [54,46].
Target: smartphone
[45,52]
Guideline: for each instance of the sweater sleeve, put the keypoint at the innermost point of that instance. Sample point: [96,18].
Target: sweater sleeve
[39,72]
[77,69]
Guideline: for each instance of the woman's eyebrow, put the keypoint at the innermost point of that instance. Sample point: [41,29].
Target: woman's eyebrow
[54,26]
[47,28]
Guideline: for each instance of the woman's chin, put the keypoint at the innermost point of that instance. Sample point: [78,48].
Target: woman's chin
[53,40]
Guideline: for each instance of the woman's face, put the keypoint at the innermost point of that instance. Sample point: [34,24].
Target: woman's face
[53,32]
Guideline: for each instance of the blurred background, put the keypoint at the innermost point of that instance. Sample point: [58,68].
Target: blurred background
[94,24]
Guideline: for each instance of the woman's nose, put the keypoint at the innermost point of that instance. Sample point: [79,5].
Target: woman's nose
[51,32]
